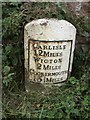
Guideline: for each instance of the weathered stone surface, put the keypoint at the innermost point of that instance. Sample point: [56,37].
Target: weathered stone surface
[49,45]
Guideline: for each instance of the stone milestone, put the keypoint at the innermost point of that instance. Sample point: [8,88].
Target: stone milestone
[48,46]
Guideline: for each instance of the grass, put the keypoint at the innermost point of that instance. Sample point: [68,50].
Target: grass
[65,102]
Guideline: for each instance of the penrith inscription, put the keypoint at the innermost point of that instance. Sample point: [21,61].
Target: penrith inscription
[49,50]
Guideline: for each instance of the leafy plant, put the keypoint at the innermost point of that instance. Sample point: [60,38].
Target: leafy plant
[12,52]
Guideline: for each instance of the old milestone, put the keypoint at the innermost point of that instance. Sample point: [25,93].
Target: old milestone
[48,46]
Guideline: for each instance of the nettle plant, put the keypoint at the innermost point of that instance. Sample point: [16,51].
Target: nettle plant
[11,53]
[10,59]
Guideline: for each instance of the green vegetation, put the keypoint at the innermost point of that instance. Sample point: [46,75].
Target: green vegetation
[68,102]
